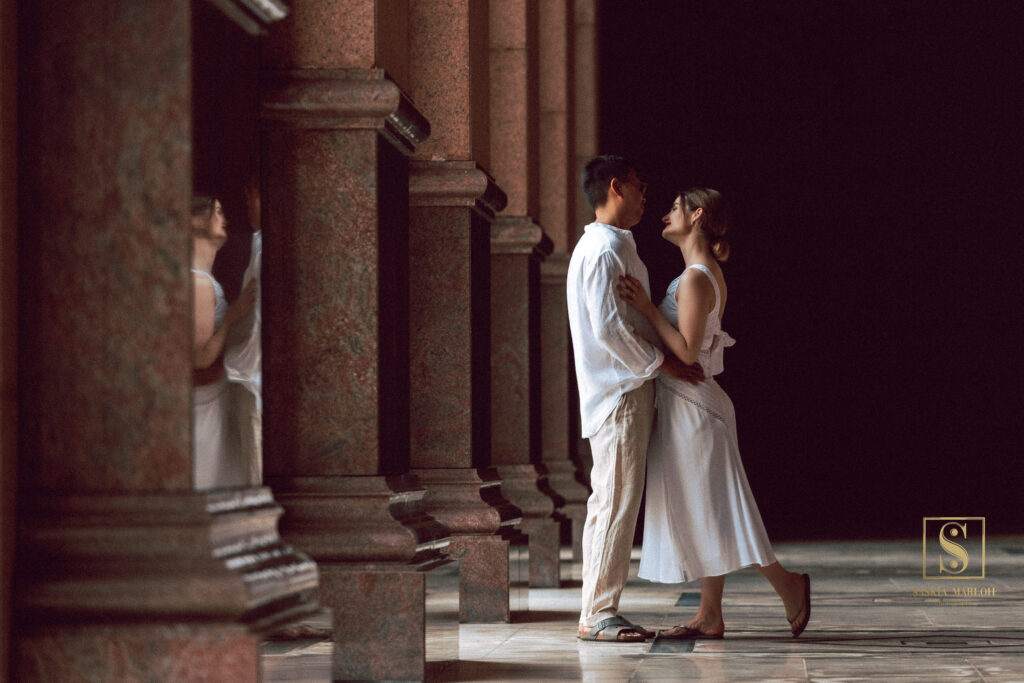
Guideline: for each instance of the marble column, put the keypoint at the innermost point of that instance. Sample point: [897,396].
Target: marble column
[454,199]
[123,570]
[518,244]
[452,206]
[517,247]
[336,134]
[559,188]
[586,107]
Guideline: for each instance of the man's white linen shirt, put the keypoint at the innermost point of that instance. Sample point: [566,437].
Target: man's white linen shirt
[615,347]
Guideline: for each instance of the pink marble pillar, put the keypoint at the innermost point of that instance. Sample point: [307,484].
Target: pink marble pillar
[587,120]
[586,107]
[517,246]
[454,200]
[335,139]
[123,570]
[559,187]
[453,203]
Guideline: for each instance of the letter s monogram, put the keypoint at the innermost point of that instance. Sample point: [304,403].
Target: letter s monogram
[953,548]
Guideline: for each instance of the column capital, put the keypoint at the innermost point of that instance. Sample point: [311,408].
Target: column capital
[519,235]
[454,183]
[342,98]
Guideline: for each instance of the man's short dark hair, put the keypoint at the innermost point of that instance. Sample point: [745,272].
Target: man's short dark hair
[598,174]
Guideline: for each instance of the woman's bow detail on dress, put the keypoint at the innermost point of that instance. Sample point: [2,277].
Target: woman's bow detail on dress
[715,362]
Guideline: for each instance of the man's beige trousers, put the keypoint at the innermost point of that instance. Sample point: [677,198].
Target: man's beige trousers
[619,450]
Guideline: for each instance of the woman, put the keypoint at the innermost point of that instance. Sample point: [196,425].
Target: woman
[701,520]
[217,453]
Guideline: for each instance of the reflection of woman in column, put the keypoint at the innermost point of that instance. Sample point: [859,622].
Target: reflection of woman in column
[701,521]
[217,459]
[243,359]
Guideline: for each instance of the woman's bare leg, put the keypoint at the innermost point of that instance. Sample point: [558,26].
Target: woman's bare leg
[708,619]
[790,587]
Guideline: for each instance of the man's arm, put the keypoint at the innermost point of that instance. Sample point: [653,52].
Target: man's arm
[609,322]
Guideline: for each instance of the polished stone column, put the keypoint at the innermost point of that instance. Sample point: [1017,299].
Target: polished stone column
[559,189]
[454,200]
[453,203]
[586,107]
[124,571]
[517,246]
[335,139]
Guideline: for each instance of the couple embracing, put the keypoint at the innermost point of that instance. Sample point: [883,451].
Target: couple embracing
[701,521]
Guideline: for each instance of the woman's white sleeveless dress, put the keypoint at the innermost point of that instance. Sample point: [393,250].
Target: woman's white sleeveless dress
[217,459]
[701,518]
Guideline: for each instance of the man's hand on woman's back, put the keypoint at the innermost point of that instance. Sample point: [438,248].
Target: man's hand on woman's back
[677,369]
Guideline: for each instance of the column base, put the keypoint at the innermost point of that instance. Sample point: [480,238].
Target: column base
[374,542]
[566,480]
[469,502]
[524,486]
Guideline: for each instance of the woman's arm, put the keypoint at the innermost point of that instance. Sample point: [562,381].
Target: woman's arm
[694,297]
[209,343]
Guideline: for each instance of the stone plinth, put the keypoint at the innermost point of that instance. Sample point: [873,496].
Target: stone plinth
[336,353]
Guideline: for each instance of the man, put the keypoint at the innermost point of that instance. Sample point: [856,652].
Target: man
[617,353]
[243,357]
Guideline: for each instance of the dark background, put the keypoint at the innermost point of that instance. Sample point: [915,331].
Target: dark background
[872,155]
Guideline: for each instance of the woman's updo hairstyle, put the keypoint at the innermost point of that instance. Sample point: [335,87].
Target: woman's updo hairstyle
[203,206]
[714,221]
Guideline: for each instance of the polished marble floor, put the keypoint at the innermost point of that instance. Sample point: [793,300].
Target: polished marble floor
[874,617]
